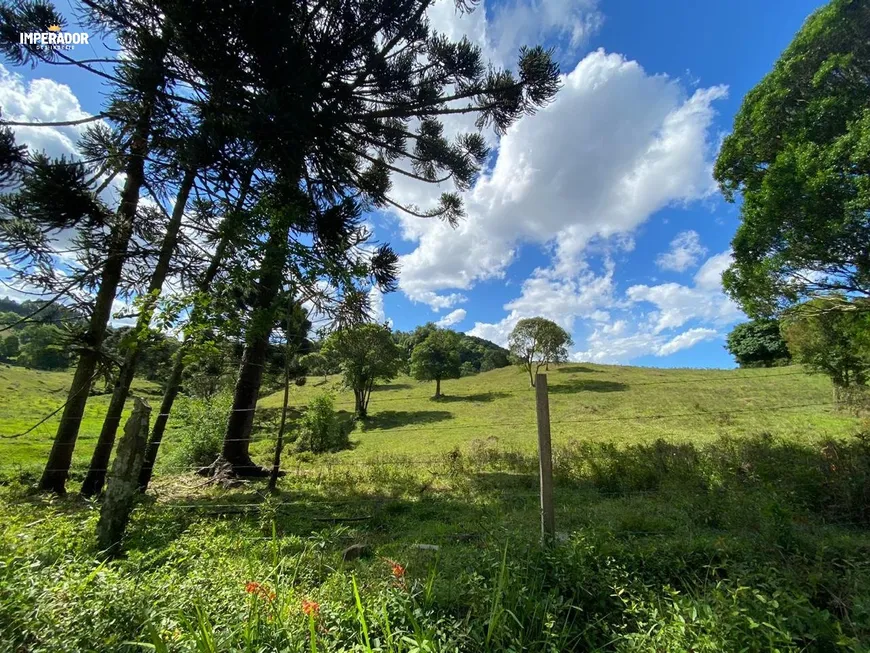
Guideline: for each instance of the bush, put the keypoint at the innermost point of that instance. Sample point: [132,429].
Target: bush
[320,428]
[201,426]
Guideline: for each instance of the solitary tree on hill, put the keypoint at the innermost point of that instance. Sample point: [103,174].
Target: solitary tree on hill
[536,342]
[437,358]
[366,354]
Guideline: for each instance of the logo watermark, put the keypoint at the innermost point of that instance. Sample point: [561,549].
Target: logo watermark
[54,37]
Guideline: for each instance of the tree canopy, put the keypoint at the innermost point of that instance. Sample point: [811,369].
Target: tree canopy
[757,343]
[366,354]
[437,358]
[799,157]
[536,342]
[829,335]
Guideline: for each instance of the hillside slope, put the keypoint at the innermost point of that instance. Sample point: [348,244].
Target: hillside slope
[602,403]
[590,402]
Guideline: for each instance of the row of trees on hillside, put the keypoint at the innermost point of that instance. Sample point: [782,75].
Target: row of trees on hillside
[798,157]
[260,134]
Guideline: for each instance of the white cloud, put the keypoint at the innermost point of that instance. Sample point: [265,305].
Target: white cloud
[675,305]
[685,340]
[586,295]
[41,100]
[376,305]
[501,29]
[615,146]
[709,275]
[45,100]
[454,317]
[684,253]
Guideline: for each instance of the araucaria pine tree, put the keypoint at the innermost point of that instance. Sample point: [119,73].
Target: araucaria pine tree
[354,94]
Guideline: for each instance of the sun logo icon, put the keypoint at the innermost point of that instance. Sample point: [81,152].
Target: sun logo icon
[54,28]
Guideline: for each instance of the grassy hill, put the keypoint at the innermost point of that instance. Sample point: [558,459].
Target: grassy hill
[588,403]
[698,510]
[593,403]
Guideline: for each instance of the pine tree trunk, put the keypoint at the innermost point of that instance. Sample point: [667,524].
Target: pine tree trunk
[238,434]
[93,483]
[57,468]
[173,385]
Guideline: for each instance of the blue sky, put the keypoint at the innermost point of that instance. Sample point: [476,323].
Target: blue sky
[598,212]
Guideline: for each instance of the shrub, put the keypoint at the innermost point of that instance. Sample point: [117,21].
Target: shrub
[201,426]
[320,428]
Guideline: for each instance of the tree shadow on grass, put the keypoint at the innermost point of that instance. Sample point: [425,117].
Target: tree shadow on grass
[479,397]
[388,419]
[577,369]
[391,386]
[587,385]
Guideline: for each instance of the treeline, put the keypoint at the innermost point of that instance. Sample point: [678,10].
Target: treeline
[259,135]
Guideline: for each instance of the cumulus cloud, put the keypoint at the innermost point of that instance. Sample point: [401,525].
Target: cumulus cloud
[502,29]
[454,317]
[686,249]
[376,306]
[586,295]
[45,100]
[702,307]
[685,340]
[615,146]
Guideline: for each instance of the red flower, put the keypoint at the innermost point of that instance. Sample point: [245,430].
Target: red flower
[398,570]
[310,608]
[260,590]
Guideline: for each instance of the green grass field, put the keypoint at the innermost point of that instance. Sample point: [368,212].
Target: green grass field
[699,510]
[588,403]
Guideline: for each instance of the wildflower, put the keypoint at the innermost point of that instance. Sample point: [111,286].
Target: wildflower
[398,570]
[310,608]
[260,590]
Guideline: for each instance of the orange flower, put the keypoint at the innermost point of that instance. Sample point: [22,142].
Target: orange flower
[310,608]
[260,590]
[398,570]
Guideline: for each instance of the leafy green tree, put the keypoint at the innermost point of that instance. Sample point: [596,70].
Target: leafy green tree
[437,358]
[536,342]
[467,369]
[831,335]
[10,347]
[366,354]
[799,155]
[42,347]
[494,359]
[316,363]
[758,343]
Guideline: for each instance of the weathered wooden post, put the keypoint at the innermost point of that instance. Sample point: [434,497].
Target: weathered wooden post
[123,481]
[545,458]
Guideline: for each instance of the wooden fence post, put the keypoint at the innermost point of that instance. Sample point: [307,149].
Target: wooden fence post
[545,458]
[123,481]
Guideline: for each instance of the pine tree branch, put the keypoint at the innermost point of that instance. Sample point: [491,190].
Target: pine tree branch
[61,123]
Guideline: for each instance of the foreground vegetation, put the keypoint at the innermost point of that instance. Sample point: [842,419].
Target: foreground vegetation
[733,526]
[741,544]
